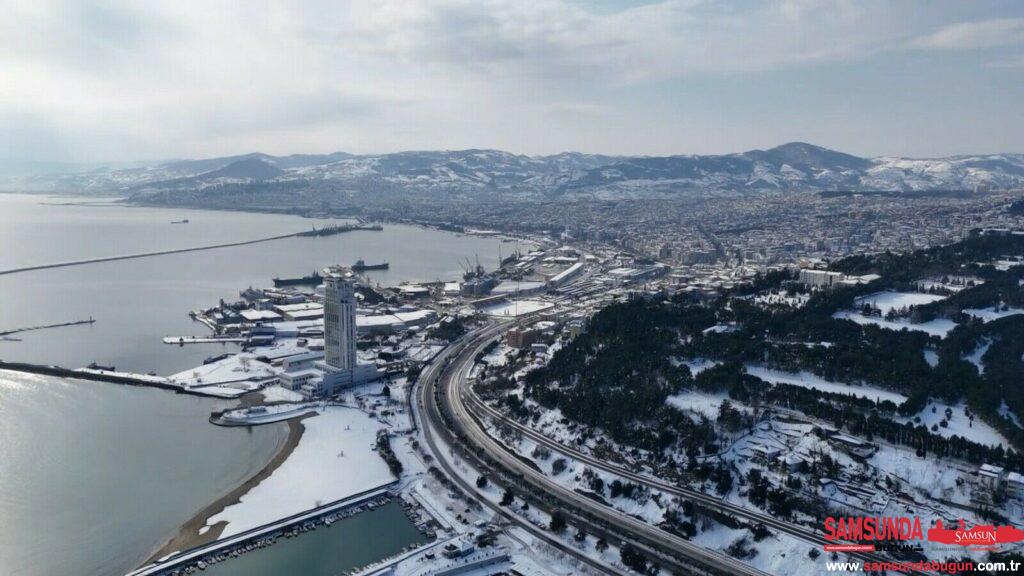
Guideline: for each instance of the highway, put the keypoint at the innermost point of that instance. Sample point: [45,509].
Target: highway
[477,410]
[443,389]
[433,429]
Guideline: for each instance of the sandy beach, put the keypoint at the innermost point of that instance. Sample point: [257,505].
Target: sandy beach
[188,534]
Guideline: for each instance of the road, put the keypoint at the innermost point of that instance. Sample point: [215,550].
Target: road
[478,410]
[449,383]
[425,410]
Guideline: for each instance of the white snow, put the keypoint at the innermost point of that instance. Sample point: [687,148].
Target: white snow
[698,402]
[958,424]
[990,314]
[975,356]
[938,327]
[516,308]
[931,357]
[889,300]
[280,394]
[334,460]
[808,380]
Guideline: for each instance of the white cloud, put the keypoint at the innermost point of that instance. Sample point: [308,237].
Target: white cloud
[974,35]
[117,81]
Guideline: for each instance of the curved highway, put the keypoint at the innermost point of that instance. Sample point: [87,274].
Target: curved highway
[425,410]
[443,389]
[478,410]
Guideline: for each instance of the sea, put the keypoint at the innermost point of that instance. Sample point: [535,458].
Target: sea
[94,476]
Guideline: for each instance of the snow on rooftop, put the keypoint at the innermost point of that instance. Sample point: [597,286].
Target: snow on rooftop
[516,308]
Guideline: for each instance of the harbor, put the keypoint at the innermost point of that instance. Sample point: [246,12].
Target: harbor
[140,302]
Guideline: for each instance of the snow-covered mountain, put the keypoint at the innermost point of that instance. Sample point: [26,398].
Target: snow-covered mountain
[793,166]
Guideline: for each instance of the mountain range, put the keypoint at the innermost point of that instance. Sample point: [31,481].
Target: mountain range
[790,167]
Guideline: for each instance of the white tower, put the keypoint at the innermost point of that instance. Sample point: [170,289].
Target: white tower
[340,322]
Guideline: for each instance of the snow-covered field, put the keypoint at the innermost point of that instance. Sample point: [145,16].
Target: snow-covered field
[990,314]
[516,308]
[938,327]
[808,380]
[698,402]
[334,459]
[889,300]
[958,424]
[975,356]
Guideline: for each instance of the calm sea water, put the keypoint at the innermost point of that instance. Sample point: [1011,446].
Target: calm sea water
[137,302]
[330,550]
[94,476]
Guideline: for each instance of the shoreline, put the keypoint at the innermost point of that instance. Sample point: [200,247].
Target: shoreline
[188,535]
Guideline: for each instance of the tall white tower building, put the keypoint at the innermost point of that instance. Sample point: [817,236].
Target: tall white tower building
[340,322]
[339,366]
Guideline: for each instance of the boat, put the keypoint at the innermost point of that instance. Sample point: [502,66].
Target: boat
[311,280]
[185,221]
[361,266]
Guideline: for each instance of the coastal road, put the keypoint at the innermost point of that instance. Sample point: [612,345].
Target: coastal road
[434,432]
[669,547]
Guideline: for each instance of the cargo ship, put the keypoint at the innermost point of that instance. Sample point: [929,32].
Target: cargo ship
[311,280]
[361,266]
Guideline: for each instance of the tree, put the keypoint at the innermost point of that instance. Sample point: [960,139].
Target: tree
[507,498]
[558,523]
[481,482]
[633,559]
[601,545]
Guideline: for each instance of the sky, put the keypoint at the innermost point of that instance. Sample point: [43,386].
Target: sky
[112,81]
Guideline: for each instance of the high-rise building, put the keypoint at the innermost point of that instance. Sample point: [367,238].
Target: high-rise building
[340,322]
[339,367]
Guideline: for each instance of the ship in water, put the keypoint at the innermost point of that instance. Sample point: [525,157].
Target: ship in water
[361,266]
[183,221]
[312,280]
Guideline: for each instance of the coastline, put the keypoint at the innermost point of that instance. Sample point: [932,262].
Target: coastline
[188,535]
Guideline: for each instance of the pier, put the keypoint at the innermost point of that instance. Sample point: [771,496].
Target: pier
[146,254]
[263,534]
[200,340]
[45,326]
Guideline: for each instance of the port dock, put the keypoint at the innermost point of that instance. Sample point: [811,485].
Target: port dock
[265,534]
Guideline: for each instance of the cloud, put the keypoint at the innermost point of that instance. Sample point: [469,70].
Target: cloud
[115,81]
[973,35]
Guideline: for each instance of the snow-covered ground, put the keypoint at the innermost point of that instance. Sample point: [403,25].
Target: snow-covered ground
[938,327]
[241,371]
[809,380]
[696,365]
[334,459]
[958,424]
[890,300]
[698,402]
[931,357]
[990,314]
[279,394]
[516,308]
[975,356]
